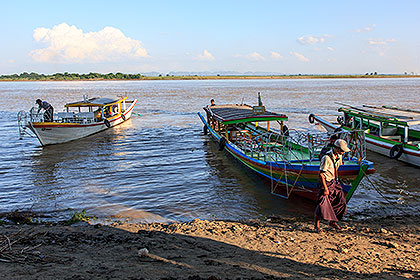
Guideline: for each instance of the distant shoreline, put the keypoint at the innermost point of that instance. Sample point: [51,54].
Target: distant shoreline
[219,77]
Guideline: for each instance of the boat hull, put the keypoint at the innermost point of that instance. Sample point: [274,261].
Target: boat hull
[49,133]
[289,177]
[410,153]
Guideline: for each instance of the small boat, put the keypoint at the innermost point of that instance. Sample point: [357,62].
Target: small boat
[79,119]
[390,131]
[288,159]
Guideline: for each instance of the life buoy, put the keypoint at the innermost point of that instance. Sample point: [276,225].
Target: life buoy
[285,130]
[222,143]
[396,151]
[205,130]
[123,117]
[311,118]
[107,123]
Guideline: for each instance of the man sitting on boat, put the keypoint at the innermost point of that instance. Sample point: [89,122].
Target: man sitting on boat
[49,110]
[331,204]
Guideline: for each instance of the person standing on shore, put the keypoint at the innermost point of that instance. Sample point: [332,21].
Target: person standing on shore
[331,203]
[49,110]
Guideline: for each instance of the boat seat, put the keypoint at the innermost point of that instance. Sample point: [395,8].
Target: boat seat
[65,115]
[86,115]
[389,131]
[415,143]
[392,137]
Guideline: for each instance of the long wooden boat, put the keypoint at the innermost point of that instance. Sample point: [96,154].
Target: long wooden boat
[390,131]
[80,119]
[289,160]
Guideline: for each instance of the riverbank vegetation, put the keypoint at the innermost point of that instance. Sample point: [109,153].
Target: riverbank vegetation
[121,76]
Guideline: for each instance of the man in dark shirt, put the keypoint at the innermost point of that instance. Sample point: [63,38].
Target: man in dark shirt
[49,110]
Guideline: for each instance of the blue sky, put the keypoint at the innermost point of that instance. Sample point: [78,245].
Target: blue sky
[287,37]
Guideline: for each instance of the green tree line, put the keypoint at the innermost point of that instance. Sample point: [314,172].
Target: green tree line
[69,77]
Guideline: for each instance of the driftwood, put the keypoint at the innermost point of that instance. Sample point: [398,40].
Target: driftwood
[10,253]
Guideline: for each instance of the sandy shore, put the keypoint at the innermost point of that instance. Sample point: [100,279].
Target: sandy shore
[386,248]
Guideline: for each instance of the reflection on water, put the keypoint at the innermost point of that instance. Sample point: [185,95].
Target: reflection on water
[159,166]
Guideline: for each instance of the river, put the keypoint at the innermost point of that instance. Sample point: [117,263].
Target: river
[159,166]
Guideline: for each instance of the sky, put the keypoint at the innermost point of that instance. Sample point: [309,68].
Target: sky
[282,37]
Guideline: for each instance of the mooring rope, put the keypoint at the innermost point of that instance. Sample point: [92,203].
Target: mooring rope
[385,198]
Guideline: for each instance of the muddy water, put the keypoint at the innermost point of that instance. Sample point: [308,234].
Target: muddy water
[159,166]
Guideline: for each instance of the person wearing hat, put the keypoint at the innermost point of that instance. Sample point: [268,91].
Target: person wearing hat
[49,110]
[331,203]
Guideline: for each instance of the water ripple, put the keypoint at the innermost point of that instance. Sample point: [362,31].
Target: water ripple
[159,166]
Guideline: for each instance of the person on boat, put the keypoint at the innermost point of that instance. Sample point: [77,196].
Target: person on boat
[49,110]
[107,112]
[331,203]
[212,103]
[98,114]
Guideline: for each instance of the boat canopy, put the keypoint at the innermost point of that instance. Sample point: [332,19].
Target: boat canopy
[95,102]
[386,114]
[234,113]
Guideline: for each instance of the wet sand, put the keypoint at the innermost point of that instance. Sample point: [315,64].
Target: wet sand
[385,248]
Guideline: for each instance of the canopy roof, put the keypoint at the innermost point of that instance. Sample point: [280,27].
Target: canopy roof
[387,114]
[234,113]
[95,102]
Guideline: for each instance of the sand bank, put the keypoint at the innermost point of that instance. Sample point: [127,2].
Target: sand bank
[386,248]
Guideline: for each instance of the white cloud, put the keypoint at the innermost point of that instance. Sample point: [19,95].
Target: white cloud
[380,42]
[310,40]
[69,44]
[330,49]
[205,56]
[365,29]
[380,46]
[276,55]
[299,56]
[254,56]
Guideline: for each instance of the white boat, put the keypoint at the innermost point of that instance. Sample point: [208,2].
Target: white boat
[390,131]
[79,119]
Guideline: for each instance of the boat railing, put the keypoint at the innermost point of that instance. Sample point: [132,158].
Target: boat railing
[34,116]
[249,145]
[62,117]
[302,148]
[298,146]
[307,146]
